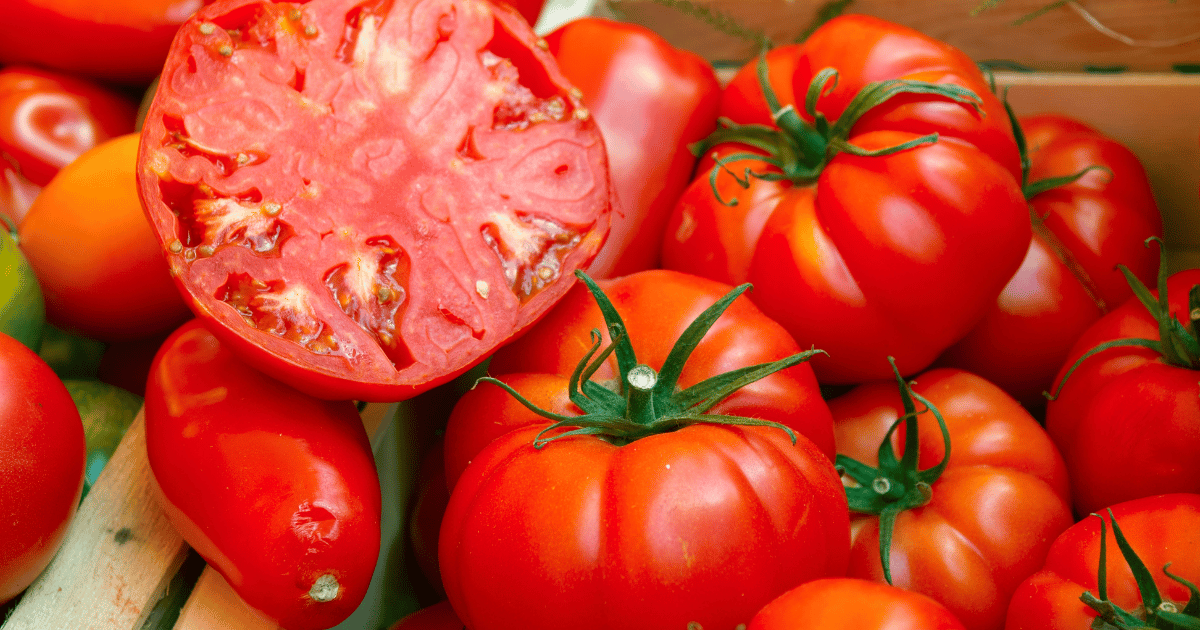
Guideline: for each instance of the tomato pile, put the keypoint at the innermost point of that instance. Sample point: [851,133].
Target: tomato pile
[841,342]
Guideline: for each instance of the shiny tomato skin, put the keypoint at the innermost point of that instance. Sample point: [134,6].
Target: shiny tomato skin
[439,616]
[117,40]
[47,119]
[1069,277]
[1001,501]
[1161,529]
[275,489]
[1126,420]
[897,255]
[651,101]
[705,524]
[42,453]
[853,604]
[101,269]
[370,234]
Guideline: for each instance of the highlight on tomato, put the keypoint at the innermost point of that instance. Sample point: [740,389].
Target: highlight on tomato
[956,490]
[369,234]
[647,507]
[867,183]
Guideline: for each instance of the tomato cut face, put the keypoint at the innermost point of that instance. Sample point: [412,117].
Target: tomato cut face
[367,197]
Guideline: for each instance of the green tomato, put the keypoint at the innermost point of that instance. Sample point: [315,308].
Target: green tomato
[22,310]
[106,411]
[70,355]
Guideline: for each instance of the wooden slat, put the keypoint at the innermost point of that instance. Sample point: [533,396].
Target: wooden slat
[1058,40]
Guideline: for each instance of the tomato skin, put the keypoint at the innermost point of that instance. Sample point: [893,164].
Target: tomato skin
[118,40]
[897,255]
[1069,277]
[994,511]
[1161,529]
[47,119]
[853,604]
[42,452]
[704,524]
[99,264]
[272,487]
[439,616]
[651,101]
[1126,420]
[22,308]
[370,256]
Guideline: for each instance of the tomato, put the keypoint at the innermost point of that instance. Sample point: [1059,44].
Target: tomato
[16,192]
[1126,418]
[853,604]
[47,119]
[651,101]
[70,356]
[22,308]
[99,264]
[652,512]
[275,489]
[106,412]
[370,234]
[1164,532]
[120,40]
[1069,278]
[529,9]
[439,616]
[41,465]
[987,514]
[894,248]
[126,364]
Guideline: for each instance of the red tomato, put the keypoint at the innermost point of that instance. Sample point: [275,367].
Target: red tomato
[439,616]
[42,452]
[16,193]
[862,256]
[121,40]
[853,604]
[48,119]
[275,489]
[1069,279]
[1126,420]
[661,517]
[651,101]
[529,9]
[1164,530]
[370,234]
[99,263]
[990,514]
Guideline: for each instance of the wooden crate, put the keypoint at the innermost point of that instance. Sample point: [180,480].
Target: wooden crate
[122,565]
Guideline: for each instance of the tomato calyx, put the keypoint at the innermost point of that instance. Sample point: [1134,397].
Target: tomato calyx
[897,484]
[643,401]
[1178,344]
[1155,612]
[798,149]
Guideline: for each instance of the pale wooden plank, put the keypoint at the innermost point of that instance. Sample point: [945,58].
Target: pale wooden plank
[1058,40]
[117,558]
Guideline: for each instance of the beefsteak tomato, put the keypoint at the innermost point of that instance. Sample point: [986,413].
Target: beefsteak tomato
[365,199]
[869,190]
[970,508]
[277,490]
[1092,208]
[853,604]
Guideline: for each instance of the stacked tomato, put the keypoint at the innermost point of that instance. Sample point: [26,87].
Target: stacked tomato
[766,355]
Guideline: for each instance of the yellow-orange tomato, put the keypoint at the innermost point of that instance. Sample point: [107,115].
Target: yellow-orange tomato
[101,268]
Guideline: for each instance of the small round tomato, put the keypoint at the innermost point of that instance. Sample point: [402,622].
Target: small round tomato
[853,604]
[122,40]
[22,309]
[47,119]
[42,451]
[100,265]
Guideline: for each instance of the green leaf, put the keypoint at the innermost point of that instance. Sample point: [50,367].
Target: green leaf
[668,375]
[624,349]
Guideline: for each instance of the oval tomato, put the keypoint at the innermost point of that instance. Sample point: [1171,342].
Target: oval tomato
[887,231]
[42,451]
[121,40]
[48,119]
[651,101]
[98,262]
[1069,278]
[275,489]
[984,523]
[853,604]
[665,511]
[369,234]
[1125,419]
[1163,530]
